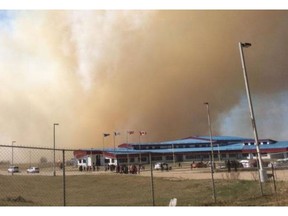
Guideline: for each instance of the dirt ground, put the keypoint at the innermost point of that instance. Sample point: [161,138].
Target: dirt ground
[205,174]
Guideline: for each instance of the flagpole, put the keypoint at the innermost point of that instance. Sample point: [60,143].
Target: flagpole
[103,143]
[127,152]
[139,150]
[103,151]
[128,133]
[114,140]
[104,135]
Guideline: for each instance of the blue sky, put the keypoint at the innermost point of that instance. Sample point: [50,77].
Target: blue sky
[5,15]
[5,18]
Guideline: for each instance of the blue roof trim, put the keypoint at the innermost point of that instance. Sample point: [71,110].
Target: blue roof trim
[223,143]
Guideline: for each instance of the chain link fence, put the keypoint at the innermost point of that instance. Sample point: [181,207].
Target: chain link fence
[31,177]
[61,183]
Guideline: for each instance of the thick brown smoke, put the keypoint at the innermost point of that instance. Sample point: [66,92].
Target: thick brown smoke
[103,71]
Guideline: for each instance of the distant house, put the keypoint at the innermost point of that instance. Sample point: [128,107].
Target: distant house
[196,148]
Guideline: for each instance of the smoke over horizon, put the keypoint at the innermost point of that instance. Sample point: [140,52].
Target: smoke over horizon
[96,72]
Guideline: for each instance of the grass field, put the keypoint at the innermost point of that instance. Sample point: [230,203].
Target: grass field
[135,190]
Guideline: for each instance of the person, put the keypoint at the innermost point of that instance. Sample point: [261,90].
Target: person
[229,166]
[235,166]
[192,164]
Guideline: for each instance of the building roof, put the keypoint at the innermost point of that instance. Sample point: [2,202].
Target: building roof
[220,143]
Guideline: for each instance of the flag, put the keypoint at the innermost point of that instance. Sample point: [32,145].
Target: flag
[130,132]
[106,134]
[116,133]
[142,133]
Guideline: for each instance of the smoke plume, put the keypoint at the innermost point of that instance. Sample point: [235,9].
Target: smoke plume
[96,72]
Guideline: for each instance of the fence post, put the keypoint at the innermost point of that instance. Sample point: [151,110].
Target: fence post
[152,183]
[273,175]
[64,180]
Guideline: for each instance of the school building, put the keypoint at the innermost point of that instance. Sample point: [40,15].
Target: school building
[196,148]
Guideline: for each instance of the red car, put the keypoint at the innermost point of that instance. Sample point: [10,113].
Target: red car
[198,165]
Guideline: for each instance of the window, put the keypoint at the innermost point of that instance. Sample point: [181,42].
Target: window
[143,159]
[206,156]
[169,157]
[190,157]
[123,160]
[159,158]
[132,160]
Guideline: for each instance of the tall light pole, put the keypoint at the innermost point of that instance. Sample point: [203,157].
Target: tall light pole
[262,171]
[212,152]
[12,162]
[54,170]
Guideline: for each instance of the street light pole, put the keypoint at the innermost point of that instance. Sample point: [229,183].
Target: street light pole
[212,152]
[262,171]
[54,170]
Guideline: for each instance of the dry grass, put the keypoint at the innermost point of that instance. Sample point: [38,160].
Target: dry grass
[112,189]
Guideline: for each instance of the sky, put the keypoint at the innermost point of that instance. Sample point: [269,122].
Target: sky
[99,71]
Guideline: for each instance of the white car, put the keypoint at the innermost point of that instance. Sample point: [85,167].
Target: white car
[158,166]
[33,170]
[245,163]
[13,169]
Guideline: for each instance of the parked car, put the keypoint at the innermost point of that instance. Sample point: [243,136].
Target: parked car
[221,165]
[198,165]
[279,163]
[13,169]
[33,170]
[245,163]
[160,165]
